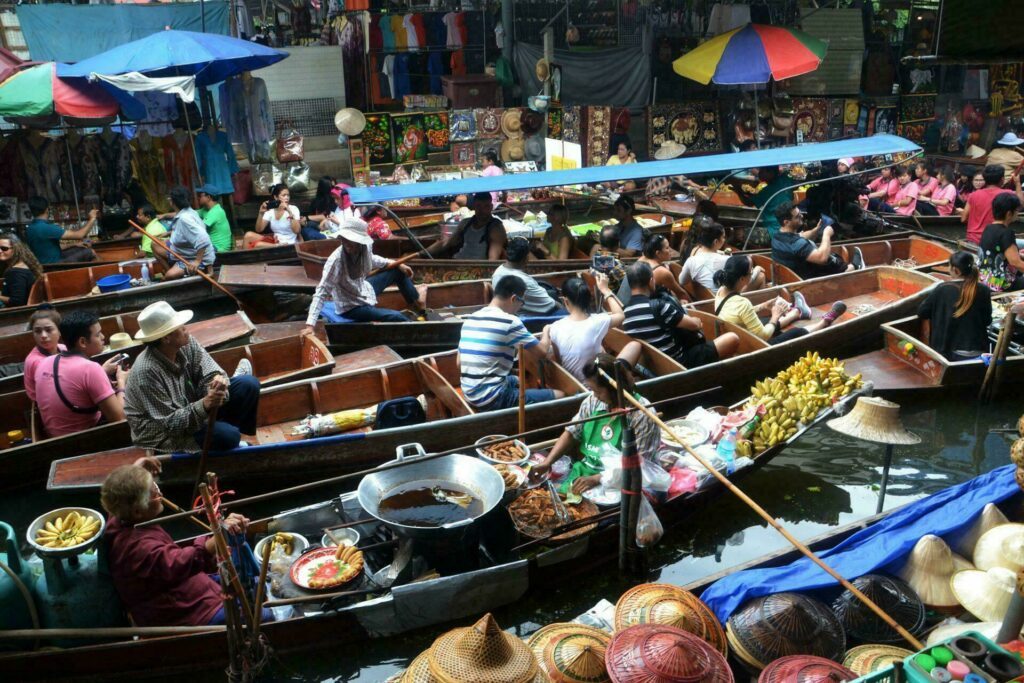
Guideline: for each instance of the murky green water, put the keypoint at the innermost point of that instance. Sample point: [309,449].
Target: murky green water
[824,480]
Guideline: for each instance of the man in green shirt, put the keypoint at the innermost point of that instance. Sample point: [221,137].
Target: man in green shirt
[216,220]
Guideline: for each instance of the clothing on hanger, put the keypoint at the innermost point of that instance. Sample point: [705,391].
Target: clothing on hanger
[216,161]
[116,171]
[412,40]
[179,162]
[148,169]
[161,110]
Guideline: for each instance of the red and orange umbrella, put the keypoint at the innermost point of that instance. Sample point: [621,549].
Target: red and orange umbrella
[37,91]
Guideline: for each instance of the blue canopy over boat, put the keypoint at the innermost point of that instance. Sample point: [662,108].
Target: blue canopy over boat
[716,163]
[888,542]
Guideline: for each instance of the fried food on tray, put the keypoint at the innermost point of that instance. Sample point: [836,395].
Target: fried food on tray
[504,452]
[534,513]
[344,566]
[508,475]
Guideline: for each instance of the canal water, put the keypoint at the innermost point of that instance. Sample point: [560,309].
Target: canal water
[823,481]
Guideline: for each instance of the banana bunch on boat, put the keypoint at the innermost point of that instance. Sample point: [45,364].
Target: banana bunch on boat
[70,530]
[796,396]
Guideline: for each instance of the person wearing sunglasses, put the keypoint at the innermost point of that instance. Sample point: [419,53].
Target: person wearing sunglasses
[19,269]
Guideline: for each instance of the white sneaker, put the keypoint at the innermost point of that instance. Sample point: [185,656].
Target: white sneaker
[244,368]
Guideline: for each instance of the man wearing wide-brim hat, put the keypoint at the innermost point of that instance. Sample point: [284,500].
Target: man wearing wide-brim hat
[348,282]
[175,384]
[1007,154]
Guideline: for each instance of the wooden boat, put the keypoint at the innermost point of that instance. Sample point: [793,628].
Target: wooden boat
[501,575]
[72,289]
[274,363]
[112,252]
[214,333]
[894,368]
[278,454]
[107,253]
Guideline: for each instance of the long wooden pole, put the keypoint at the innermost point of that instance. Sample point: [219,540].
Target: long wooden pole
[211,420]
[178,256]
[224,553]
[522,389]
[191,515]
[989,385]
[300,488]
[102,633]
[752,504]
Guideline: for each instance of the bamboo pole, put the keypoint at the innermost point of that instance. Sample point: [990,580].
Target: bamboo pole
[300,488]
[190,514]
[522,389]
[211,420]
[223,552]
[258,605]
[110,632]
[208,278]
[993,373]
[750,502]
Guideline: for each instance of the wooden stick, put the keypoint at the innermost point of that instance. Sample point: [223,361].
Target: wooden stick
[394,264]
[110,632]
[211,419]
[191,515]
[522,389]
[208,278]
[223,552]
[775,524]
[345,525]
[258,606]
[990,384]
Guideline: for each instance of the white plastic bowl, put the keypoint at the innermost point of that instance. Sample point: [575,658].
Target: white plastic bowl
[495,437]
[299,543]
[347,536]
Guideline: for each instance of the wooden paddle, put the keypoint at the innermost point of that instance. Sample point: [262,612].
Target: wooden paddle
[394,264]
[990,385]
[727,483]
[207,441]
[178,256]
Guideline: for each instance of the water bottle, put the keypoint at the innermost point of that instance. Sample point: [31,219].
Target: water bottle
[727,450]
[145,271]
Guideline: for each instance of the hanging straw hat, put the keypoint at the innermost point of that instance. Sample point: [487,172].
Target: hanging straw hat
[158,320]
[542,70]
[805,669]
[985,594]
[774,626]
[511,123]
[1002,546]
[571,653]
[655,653]
[670,149]
[928,569]
[662,603]
[513,150]
[482,653]
[350,122]
[975,152]
[355,230]
[991,517]
[896,599]
[120,340]
[874,419]
[866,659]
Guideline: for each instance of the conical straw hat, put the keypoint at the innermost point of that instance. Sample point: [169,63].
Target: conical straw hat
[875,419]
[940,634]
[418,671]
[985,594]
[481,653]
[1002,546]
[773,626]
[866,659]
[928,570]
[805,669]
[991,517]
[655,653]
[662,603]
[571,653]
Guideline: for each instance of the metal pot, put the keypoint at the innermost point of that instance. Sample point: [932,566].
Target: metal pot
[471,474]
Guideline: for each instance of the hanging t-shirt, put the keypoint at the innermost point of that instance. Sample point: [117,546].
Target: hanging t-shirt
[402,83]
[387,36]
[435,67]
[282,227]
[388,69]
[398,28]
[412,40]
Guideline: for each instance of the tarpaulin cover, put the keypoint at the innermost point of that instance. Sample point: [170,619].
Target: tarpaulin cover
[133,81]
[716,163]
[69,33]
[620,75]
[943,514]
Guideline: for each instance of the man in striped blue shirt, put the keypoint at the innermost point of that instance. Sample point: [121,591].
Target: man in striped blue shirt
[487,350]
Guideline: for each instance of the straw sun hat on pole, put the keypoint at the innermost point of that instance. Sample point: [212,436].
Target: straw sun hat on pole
[875,419]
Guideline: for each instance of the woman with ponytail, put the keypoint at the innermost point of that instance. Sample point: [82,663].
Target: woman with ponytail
[957,314]
[731,306]
[707,259]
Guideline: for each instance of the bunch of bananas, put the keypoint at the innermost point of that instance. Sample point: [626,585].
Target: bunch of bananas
[70,530]
[794,396]
[284,541]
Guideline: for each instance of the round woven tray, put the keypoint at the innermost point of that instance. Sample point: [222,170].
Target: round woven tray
[517,510]
[662,603]
[866,659]
[571,653]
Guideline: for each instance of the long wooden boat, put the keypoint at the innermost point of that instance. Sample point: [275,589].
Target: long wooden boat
[107,253]
[112,252]
[470,583]
[274,363]
[68,290]
[894,367]
[214,333]
[874,296]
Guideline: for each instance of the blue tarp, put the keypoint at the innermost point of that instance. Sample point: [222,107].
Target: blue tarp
[716,163]
[69,33]
[944,514]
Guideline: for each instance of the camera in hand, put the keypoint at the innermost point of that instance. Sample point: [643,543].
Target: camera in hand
[603,263]
[273,204]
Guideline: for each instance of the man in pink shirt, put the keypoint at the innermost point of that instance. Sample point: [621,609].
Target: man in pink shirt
[491,169]
[906,197]
[927,183]
[74,392]
[978,209]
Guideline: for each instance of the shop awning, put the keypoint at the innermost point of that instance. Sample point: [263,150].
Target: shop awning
[717,163]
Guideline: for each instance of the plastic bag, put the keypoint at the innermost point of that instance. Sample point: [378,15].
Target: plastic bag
[265,176]
[289,143]
[655,477]
[297,177]
[683,481]
[648,527]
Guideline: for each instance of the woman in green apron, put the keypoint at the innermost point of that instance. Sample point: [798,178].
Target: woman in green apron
[598,443]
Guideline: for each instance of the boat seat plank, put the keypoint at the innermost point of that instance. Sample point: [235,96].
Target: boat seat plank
[888,372]
[86,469]
[292,278]
[436,384]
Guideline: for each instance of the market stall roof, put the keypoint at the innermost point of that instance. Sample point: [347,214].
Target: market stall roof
[717,163]
[209,57]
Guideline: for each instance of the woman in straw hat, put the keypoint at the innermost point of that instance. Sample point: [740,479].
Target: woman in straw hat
[348,282]
[175,385]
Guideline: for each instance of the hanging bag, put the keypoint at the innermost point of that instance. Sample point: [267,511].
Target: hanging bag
[289,143]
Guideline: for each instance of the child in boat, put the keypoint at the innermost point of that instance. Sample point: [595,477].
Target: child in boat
[731,306]
[956,315]
[596,445]
[160,582]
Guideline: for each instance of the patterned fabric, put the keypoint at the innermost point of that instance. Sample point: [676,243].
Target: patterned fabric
[179,162]
[571,124]
[694,124]
[117,164]
[811,118]
[645,430]
[344,282]
[163,400]
[148,169]
[599,120]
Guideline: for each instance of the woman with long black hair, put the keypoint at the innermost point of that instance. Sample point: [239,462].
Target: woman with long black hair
[957,314]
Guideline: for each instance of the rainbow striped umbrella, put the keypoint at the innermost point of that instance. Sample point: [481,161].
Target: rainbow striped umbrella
[755,53]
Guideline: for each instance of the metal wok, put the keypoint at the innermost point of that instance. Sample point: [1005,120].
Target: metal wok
[471,474]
